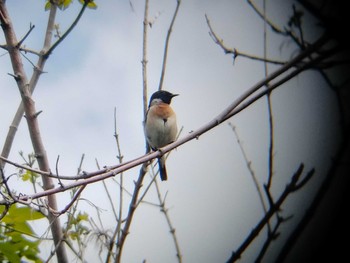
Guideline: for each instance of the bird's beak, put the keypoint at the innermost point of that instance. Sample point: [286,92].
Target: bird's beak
[174,95]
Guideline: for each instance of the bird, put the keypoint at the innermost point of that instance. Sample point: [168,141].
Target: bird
[160,125]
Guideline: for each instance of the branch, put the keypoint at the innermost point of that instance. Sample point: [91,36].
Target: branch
[249,166]
[238,105]
[274,27]
[142,172]
[117,231]
[270,235]
[271,87]
[337,171]
[144,63]
[167,41]
[132,208]
[19,44]
[164,210]
[75,22]
[38,69]
[71,202]
[7,192]
[33,125]
[267,21]
[290,188]
[234,51]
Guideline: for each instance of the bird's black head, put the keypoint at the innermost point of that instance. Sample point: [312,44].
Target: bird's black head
[163,95]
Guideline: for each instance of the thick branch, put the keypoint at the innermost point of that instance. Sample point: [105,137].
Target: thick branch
[33,125]
[38,69]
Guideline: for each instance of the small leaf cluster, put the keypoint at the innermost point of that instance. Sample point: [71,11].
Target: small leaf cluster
[14,230]
[64,4]
[76,228]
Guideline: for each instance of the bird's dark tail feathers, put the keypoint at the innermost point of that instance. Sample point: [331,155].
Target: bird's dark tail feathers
[162,169]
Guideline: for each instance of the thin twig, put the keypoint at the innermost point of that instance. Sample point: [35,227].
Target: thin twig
[273,26]
[75,22]
[167,41]
[266,20]
[7,195]
[164,210]
[117,231]
[138,184]
[59,180]
[144,63]
[234,52]
[271,130]
[110,199]
[249,166]
[72,201]
[31,27]
[273,234]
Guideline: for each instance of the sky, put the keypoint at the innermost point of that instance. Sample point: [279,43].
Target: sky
[210,194]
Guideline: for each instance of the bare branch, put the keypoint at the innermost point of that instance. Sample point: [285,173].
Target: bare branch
[290,187]
[144,64]
[38,69]
[19,44]
[71,202]
[235,53]
[164,210]
[218,40]
[167,41]
[75,22]
[249,166]
[273,26]
[132,208]
[267,21]
[33,125]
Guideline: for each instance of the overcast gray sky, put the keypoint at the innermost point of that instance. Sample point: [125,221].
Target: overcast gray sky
[210,194]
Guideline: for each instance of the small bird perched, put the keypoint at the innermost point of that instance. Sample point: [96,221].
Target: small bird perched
[160,125]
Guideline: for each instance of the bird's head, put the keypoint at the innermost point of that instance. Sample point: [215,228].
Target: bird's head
[163,96]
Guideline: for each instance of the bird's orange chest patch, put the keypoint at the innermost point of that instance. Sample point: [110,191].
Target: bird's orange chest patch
[162,111]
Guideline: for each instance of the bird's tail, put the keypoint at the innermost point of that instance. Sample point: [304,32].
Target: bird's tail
[162,169]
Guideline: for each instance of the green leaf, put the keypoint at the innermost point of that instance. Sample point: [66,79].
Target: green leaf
[17,247]
[22,227]
[64,4]
[47,6]
[14,246]
[73,235]
[61,4]
[91,4]
[21,214]
[8,251]
[83,217]
[29,175]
